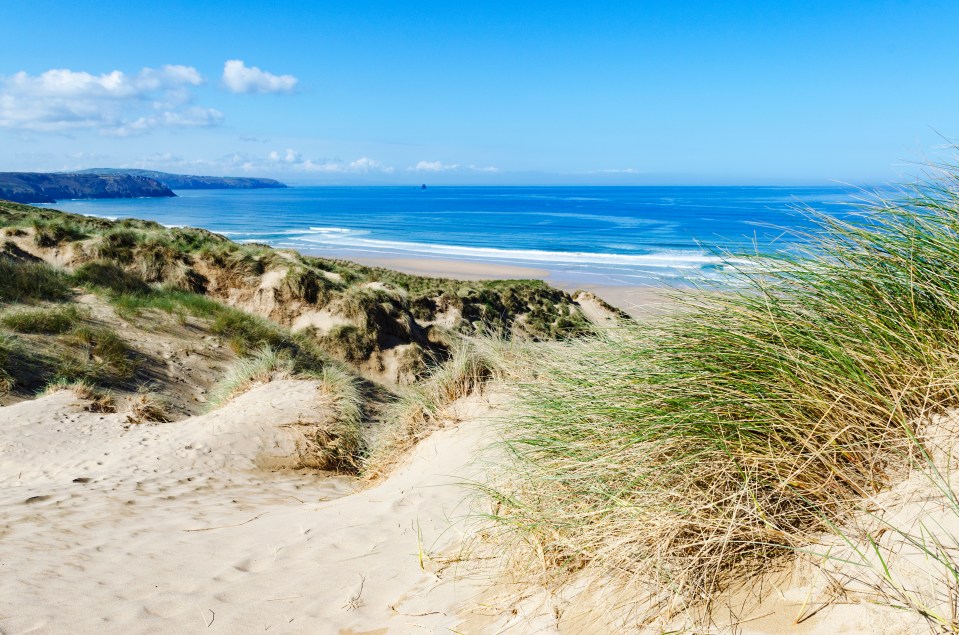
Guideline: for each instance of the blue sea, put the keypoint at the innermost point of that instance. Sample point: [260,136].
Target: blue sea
[580,235]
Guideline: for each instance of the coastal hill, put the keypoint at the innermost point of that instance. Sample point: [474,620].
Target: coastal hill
[190,182]
[36,187]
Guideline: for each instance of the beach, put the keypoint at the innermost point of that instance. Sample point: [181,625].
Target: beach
[260,440]
[525,318]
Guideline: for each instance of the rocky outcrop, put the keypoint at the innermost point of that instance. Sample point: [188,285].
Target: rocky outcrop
[36,187]
[190,182]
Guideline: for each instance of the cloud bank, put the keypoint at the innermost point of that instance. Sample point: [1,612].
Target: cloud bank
[240,78]
[116,104]
[437,166]
[289,159]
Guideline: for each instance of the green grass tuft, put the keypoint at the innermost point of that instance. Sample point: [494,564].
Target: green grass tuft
[50,320]
[53,232]
[118,245]
[261,366]
[97,355]
[107,275]
[27,281]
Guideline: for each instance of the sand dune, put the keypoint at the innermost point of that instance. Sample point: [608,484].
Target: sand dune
[111,527]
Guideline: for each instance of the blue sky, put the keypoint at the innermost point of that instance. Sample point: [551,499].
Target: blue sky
[481,92]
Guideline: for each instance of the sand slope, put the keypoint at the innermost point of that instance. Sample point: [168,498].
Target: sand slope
[110,527]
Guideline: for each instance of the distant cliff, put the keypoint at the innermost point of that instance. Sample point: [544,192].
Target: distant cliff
[36,187]
[189,182]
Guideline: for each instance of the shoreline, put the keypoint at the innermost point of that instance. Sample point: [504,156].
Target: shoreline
[636,300]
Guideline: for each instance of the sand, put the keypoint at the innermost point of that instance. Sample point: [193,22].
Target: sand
[175,528]
[456,269]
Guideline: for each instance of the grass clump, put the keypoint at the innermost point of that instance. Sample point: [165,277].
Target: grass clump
[309,285]
[264,365]
[22,281]
[47,320]
[248,334]
[351,343]
[147,406]
[97,355]
[107,275]
[99,400]
[118,244]
[708,444]
[8,348]
[53,232]
[422,408]
[338,443]
[167,299]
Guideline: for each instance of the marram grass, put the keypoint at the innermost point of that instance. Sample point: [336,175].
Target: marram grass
[686,452]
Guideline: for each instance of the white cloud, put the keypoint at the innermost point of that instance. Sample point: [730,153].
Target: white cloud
[438,166]
[195,117]
[240,78]
[365,164]
[276,162]
[61,100]
[433,166]
[290,159]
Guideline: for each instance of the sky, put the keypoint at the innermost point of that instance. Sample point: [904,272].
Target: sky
[499,93]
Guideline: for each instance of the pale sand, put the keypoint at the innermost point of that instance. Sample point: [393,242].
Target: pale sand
[456,269]
[639,302]
[172,528]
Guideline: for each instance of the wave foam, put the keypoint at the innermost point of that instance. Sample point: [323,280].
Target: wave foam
[342,238]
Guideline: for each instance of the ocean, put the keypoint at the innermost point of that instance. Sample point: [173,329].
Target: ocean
[585,235]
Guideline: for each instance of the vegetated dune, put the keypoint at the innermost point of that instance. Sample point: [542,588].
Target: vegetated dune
[388,324]
[665,476]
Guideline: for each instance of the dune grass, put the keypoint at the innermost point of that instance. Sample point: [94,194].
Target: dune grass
[343,440]
[104,274]
[95,354]
[148,407]
[31,281]
[261,367]
[712,442]
[332,444]
[168,300]
[50,320]
[419,411]
[53,232]
[99,399]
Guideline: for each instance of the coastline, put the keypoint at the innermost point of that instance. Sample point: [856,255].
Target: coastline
[635,300]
